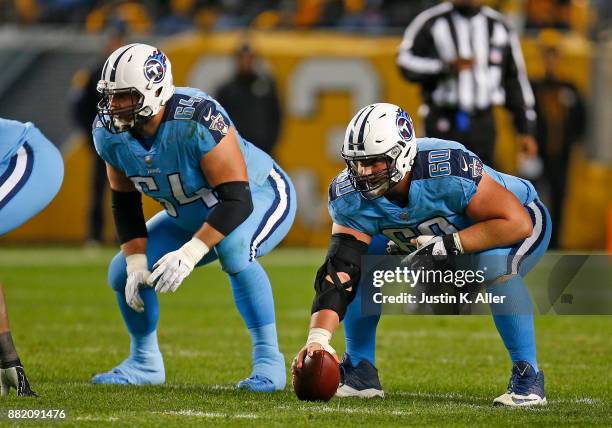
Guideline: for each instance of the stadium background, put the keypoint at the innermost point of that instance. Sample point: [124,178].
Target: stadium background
[323,74]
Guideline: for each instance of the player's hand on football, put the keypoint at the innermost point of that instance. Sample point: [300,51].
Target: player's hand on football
[170,271]
[137,276]
[310,349]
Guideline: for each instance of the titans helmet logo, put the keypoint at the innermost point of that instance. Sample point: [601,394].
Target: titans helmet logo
[155,67]
[404,125]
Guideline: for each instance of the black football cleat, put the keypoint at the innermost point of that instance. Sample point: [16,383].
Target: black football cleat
[526,387]
[360,381]
[15,377]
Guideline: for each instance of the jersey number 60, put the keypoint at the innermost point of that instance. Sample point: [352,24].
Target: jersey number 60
[434,226]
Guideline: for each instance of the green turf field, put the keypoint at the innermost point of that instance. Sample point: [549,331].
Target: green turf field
[435,370]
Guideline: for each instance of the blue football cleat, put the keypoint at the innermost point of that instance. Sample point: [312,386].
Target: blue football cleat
[526,387]
[269,374]
[257,383]
[361,381]
[131,372]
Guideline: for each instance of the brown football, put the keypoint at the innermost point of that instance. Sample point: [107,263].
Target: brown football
[318,378]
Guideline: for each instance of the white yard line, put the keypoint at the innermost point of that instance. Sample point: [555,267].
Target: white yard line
[198,414]
[346,410]
[94,418]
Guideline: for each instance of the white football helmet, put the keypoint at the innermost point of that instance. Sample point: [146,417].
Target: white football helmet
[379,132]
[141,72]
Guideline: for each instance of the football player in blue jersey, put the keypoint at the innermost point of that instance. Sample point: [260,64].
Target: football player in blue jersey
[31,174]
[429,197]
[223,199]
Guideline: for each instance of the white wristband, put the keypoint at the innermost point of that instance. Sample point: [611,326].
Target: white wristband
[195,249]
[136,262]
[322,337]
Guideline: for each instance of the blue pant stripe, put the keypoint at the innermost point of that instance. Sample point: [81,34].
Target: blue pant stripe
[260,235]
[25,175]
[285,212]
[538,206]
[515,259]
[515,248]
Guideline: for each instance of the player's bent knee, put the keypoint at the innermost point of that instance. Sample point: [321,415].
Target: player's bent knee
[116,273]
[234,265]
[233,260]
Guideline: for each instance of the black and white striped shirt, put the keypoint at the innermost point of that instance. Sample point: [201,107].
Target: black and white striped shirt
[440,35]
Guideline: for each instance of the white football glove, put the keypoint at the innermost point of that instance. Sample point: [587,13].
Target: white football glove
[137,275]
[170,271]
[425,240]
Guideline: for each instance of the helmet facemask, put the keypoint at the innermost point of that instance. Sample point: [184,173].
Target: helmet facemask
[377,183]
[126,117]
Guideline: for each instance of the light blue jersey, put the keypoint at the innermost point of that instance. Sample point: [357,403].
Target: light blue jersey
[445,177]
[31,173]
[169,172]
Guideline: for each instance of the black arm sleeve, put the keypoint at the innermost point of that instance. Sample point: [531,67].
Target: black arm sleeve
[344,255]
[235,205]
[127,212]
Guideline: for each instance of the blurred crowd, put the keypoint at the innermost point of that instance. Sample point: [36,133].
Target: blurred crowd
[166,17]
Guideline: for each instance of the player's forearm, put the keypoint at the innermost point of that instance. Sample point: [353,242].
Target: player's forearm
[134,246]
[493,233]
[325,318]
[209,235]
[323,324]
[233,209]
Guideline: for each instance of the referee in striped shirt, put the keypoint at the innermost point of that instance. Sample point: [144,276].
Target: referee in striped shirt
[467,59]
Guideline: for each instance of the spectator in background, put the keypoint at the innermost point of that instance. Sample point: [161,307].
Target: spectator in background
[467,59]
[251,100]
[363,15]
[178,19]
[548,13]
[561,123]
[84,100]
[231,15]
[400,13]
